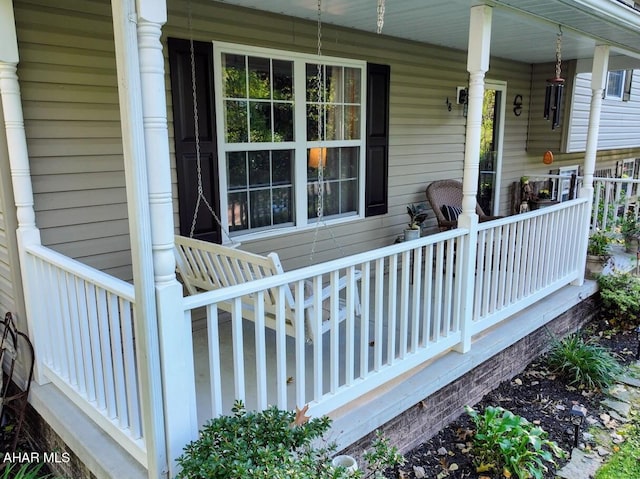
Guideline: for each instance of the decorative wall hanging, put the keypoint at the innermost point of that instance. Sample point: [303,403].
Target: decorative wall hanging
[517,105]
[555,86]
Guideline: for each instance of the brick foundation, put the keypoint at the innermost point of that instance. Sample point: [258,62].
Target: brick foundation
[422,421]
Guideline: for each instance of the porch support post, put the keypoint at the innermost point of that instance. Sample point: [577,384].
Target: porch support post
[598,81]
[477,66]
[176,341]
[27,232]
[146,327]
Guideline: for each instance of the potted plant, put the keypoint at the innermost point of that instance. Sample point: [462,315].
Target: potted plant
[417,215]
[597,253]
[630,231]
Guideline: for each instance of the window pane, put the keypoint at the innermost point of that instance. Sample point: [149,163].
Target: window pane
[334,122]
[259,78]
[348,163]
[237,211]
[283,122]
[352,85]
[312,82]
[352,122]
[282,167]
[334,84]
[259,169]
[282,205]
[234,79]
[615,83]
[332,166]
[312,123]
[348,196]
[260,121]
[331,198]
[237,170]
[282,80]
[260,207]
[236,121]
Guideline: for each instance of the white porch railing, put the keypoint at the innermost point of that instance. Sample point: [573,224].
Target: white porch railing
[84,321]
[525,257]
[411,311]
[613,198]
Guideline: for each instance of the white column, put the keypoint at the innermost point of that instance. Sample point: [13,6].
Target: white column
[146,327]
[27,233]
[176,342]
[477,66]
[598,82]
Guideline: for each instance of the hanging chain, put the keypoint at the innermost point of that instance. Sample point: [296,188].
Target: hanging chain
[320,206]
[559,53]
[380,15]
[194,94]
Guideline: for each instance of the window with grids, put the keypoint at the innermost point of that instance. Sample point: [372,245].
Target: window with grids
[292,133]
[615,84]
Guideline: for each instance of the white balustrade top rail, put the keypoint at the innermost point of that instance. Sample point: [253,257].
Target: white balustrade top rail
[86,273]
[307,272]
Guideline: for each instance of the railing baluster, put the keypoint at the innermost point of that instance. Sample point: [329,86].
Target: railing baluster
[365,311]
[213,342]
[404,303]
[379,314]
[300,339]
[261,351]
[238,350]
[282,379]
[416,299]
[334,333]
[392,312]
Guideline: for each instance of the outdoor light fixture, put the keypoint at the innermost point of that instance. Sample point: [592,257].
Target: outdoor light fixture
[578,413]
[555,86]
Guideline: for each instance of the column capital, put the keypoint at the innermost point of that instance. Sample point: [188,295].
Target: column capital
[8,38]
[153,11]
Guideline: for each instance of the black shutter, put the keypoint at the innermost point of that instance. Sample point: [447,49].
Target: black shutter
[377,157]
[185,142]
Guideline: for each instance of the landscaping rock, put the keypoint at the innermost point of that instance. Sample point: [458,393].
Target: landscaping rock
[581,466]
[620,407]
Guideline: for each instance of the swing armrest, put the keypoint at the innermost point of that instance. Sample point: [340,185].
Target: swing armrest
[326,290]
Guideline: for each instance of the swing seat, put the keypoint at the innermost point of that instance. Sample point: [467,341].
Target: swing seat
[205,266]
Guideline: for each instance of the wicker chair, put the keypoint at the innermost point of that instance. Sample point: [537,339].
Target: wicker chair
[448,193]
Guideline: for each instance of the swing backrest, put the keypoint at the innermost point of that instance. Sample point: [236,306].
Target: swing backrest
[205,266]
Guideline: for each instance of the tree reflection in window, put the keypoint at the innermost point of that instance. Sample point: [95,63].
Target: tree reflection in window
[257,98]
[260,189]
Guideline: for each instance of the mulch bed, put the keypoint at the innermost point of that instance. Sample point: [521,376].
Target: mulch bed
[536,394]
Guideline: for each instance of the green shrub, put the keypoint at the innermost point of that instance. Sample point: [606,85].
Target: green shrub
[598,244]
[583,363]
[273,444]
[620,293]
[510,444]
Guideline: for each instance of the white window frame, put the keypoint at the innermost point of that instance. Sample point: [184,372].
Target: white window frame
[616,96]
[299,144]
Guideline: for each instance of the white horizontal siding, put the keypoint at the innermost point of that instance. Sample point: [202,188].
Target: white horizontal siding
[619,120]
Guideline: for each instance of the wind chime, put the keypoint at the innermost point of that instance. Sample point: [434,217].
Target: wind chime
[555,86]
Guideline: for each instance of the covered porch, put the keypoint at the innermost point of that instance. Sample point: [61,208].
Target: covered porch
[149,364]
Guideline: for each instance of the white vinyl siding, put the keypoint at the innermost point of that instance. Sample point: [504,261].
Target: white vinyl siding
[619,120]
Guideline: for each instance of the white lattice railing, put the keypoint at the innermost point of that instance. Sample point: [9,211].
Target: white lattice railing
[85,326]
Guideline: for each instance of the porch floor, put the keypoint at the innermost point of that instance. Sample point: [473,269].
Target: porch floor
[382,404]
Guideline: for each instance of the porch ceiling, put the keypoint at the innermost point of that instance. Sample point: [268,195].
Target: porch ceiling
[523,30]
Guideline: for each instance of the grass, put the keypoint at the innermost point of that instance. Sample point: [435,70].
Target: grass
[624,463]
